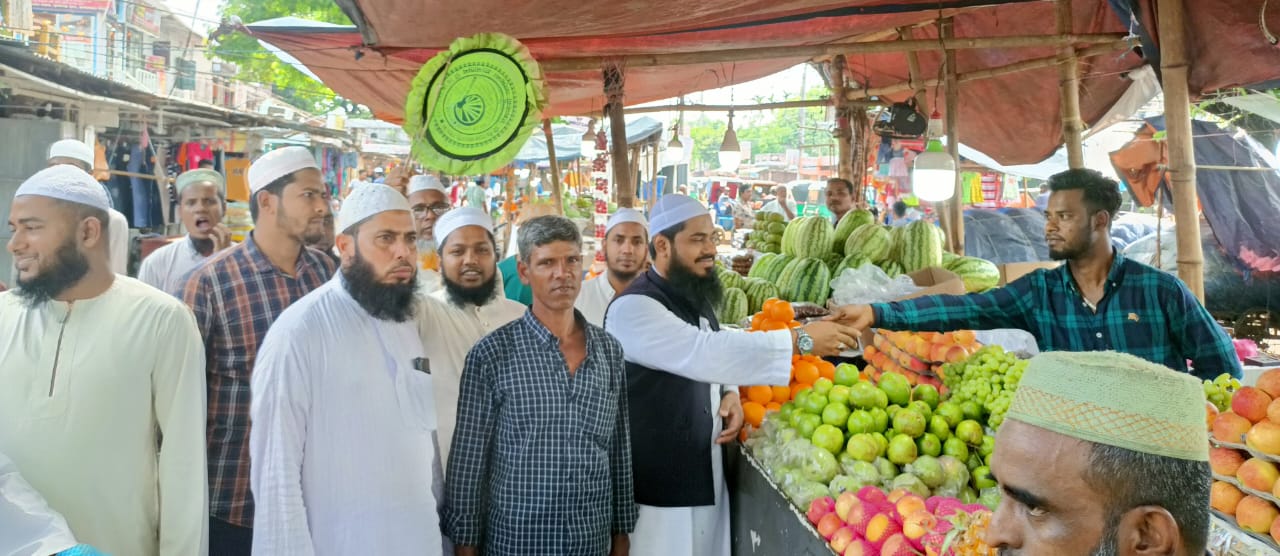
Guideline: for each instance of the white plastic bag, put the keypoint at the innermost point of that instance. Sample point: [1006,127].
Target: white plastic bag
[869,284]
[27,524]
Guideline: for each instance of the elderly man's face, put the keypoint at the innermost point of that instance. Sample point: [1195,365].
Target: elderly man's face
[1047,507]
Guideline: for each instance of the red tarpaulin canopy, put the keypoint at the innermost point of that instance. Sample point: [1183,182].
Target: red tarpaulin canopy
[1015,118]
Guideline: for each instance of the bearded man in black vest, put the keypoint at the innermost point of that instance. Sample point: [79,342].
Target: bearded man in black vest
[682,377]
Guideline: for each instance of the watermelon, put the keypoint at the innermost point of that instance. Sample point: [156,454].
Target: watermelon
[759,291]
[852,220]
[833,262]
[921,247]
[852,261]
[896,237]
[892,268]
[731,279]
[777,228]
[978,274]
[733,308]
[809,280]
[870,241]
[947,258]
[785,276]
[761,265]
[808,236]
[776,267]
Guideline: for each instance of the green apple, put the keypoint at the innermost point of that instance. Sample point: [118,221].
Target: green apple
[823,385]
[862,395]
[929,445]
[956,448]
[909,422]
[879,419]
[896,387]
[828,438]
[835,414]
[808,424]
[859,422]
[926,393]
[839,394]
[846,374]
[902,450]
[950,411]
[970,432]
[982,478]
[862,448]
[815,403]
[921,408]
[938,427]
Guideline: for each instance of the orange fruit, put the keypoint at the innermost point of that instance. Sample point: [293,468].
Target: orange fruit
[826,370]
[760,394]
[774,406]
[806,372]
[772,325]
[757,320]
[781,394]
[794,324]
[795,359]
[754,413]
[782,312]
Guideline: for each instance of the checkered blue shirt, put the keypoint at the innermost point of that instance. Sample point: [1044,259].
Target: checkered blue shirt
[541,461]
[1144,312]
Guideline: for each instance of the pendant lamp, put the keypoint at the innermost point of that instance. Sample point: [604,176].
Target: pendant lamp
[588,146]
[730,152]
[933,175]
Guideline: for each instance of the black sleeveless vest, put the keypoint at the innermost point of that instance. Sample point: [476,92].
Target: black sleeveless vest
[670,415]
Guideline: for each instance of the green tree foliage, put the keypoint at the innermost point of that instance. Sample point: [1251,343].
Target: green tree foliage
[256,64]
[770,132]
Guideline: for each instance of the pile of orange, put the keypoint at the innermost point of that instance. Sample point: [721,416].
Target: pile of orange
[777,314]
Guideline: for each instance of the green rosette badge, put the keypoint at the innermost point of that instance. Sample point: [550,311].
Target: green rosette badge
[472,107]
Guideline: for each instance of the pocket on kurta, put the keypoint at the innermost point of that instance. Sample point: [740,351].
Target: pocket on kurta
[415,394]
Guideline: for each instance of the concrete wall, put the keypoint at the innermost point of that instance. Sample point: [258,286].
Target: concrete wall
[18,161]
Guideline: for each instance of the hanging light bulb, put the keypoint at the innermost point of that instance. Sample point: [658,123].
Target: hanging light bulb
[933,175]
[588,146]
[730,152]
[675,149]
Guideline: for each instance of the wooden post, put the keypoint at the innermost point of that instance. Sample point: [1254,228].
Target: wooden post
[955,235]
[1069,77]
[860,130]
[555,167]
[1182,159]
[652,190]
[844,136]
[623,184]
[913,74]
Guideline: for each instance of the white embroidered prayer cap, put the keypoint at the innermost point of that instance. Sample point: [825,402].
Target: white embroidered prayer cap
[367,201]
[425,182]
[672,210]
[66,183]
[71,148]
[277,164]
[450,221]
[625,215]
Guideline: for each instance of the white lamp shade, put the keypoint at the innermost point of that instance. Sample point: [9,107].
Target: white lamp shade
[933,177]
[673,155]
[588,148]
[730,160]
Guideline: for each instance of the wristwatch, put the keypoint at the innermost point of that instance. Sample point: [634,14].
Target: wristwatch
[804,342]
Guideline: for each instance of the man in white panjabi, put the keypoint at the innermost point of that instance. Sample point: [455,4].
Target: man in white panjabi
[343,448]
[103,420]
[201,203]
[80,155]
[428,201]
[675,350]
[470,306]
[626,255]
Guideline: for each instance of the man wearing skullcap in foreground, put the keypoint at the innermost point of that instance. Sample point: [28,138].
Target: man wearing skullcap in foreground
[344,457]
[106,426]
[1102,453]
[682,377]
[626,255]
[80,155]
[428,201]
[201,203]
[236,296]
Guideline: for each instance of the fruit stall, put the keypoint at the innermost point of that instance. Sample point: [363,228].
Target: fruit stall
[889,453]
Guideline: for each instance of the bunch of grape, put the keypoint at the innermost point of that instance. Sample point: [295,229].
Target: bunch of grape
[988,378]
[1219,391]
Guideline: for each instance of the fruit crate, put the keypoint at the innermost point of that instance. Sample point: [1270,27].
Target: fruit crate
[1227,539]
[763,521]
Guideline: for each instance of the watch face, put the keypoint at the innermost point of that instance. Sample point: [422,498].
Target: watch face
[806,343]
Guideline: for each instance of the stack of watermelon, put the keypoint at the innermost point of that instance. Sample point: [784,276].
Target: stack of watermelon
[910,248]
[766,233]
[755,291]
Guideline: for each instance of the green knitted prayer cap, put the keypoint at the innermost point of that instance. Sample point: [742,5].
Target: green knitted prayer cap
[193,177]
[1114,399]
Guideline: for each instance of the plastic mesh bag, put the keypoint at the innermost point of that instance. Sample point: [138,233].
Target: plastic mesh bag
[869,284]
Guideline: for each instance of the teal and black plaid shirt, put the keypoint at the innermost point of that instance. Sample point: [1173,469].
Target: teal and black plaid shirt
[1144,312]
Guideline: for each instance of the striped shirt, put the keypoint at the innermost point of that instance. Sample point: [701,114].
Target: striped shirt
[236,296]
[541,460]
[1144,312]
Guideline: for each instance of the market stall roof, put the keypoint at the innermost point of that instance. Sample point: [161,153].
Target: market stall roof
[568,140]
[1015,117]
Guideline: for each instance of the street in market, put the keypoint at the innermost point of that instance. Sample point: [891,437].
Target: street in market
[868,277]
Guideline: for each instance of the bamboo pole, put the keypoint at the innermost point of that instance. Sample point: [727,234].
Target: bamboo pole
[844,136]
[1069,91]
[999,71]
[956,207]
[588,63]
[860,129]
[1182,160]
[652,190]
[738,108]
[913,74]
[624,187]
[555,167]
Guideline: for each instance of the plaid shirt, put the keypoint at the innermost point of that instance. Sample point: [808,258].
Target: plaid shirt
[1143,312]
[236,296]
[541,461]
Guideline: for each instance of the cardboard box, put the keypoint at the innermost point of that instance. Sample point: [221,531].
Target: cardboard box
[1013,271]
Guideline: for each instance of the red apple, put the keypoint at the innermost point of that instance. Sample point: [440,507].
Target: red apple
[820,507]
[842,539]
[829,524]
[846,502]
[1250,403]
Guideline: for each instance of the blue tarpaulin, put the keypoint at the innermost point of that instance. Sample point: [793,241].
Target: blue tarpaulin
[569,140]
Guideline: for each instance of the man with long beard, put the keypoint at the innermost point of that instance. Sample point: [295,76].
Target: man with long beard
[428,201]
[626,254]
[343,439]
[236,296]
[470,306]
[101,379]
[1124,443]
[201,203]
[682,377]
[1099,300]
